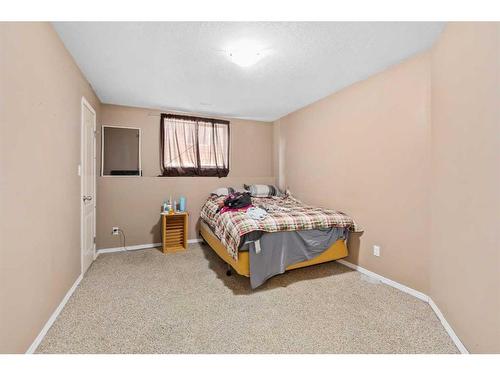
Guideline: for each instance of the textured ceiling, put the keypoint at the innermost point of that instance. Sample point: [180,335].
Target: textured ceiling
[182,65]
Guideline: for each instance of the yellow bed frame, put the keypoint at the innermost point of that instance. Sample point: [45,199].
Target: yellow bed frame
[242,265]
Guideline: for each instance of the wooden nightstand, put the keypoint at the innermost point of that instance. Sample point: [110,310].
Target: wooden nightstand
[174,231]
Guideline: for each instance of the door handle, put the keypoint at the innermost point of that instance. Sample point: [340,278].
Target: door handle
[87,198]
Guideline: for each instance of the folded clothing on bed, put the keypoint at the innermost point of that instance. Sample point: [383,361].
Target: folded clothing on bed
[285,213]
[256,213]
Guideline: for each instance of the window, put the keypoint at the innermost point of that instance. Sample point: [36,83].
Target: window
[194,146]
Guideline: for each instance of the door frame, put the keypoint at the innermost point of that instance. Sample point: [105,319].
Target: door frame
[84,102]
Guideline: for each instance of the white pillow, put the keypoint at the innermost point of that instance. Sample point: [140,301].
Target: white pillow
[223,191]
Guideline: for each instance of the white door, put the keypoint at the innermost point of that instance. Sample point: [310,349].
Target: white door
[88,176]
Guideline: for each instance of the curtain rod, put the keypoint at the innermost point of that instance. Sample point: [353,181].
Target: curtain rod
[150,114]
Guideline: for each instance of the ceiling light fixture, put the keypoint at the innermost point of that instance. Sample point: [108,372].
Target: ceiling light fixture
[245,52]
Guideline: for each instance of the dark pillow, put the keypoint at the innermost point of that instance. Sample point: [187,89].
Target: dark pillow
[263,191]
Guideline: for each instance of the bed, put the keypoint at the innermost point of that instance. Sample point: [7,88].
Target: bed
[292,235]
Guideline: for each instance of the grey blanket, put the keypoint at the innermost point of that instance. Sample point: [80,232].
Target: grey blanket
[282,249]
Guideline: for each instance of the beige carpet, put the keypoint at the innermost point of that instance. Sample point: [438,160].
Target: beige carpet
[146,302]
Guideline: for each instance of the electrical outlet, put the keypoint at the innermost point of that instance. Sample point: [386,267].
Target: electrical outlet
[376,250]
[115,231]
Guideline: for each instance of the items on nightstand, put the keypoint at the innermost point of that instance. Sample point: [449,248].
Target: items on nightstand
[172,206]
[167,206]
[182,204]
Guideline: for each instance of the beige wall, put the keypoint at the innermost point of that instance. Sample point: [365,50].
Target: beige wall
[40,95]
[465,241]
[365,151]
[133,203]
[413,155]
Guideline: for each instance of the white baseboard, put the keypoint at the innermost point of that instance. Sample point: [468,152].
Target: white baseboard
[138,247]
[394,284]
[448,328]
[53,317]
[422,296]
[128,248]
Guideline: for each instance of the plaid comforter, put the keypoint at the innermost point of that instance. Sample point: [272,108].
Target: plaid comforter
[284,214]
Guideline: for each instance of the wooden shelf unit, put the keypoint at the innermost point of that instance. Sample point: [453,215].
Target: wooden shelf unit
[174,231]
